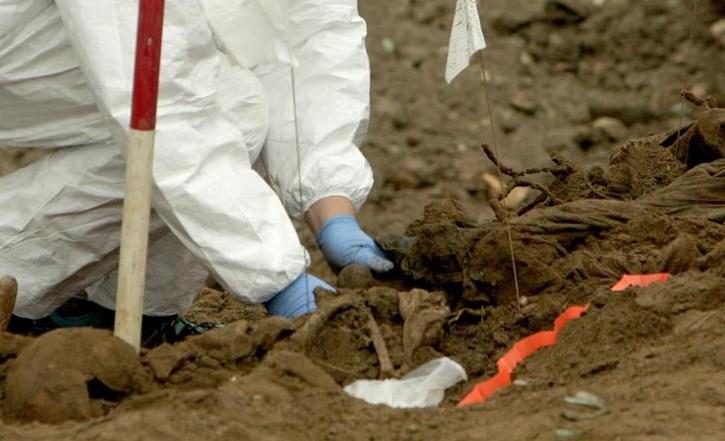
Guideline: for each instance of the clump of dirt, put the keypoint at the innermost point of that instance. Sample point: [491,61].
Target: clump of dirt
[641,166]
[355,277]
[69,374]
[211,358]
[218,307]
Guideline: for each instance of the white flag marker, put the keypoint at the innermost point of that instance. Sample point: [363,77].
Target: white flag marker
[466,41]
[466,38]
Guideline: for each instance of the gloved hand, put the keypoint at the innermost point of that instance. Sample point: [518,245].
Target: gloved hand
[343,242]
[298,298]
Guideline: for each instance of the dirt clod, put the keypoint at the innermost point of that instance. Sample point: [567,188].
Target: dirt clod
[50,381]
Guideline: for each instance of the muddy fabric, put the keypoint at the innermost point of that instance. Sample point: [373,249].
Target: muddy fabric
[564,243]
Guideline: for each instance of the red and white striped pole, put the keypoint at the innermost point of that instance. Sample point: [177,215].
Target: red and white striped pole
[139,173]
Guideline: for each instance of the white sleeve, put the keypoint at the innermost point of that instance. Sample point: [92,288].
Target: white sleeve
[332,80]
[204,187]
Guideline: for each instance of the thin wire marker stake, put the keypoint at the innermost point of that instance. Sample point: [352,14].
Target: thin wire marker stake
[467,40]
[684,74]
[494,138]
[139,170]
[299,174]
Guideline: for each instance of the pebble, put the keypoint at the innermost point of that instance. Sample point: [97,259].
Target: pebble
[509,120]
[718,31]
[526,59]
[389,47]
[403,179]
[413,428]
[523,103]
[699,90]
[612,128]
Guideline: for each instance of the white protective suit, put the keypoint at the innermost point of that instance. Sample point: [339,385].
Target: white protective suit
[66,71]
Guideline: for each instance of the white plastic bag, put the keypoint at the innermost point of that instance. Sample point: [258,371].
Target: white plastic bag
[422,387]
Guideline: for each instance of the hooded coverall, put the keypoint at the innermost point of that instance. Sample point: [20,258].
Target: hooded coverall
[225,111]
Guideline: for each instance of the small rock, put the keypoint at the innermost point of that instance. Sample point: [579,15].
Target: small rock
[566,434]
[413,428]
[509,121]
[699,90]
[523,103]
[389,47]
[612,128]
[526,59]
[718,31]
[403,179]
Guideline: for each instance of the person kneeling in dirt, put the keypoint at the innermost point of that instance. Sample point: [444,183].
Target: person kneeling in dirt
[226,109]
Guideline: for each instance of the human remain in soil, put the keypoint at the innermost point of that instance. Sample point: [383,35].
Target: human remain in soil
[226,169]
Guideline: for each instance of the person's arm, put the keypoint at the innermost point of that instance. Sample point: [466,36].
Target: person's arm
[341,239]
[331,179]
[332,96]
[325,209]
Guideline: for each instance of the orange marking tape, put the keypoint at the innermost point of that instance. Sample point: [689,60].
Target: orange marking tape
[629,280]
[525,347]
[521,350]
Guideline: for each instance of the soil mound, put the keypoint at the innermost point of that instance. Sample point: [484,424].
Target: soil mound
[69,374]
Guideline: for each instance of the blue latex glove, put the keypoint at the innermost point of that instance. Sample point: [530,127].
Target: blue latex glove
[343,243]
[298,298]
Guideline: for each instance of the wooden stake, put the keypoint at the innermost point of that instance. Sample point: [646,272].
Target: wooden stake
[134,237]
[139,173]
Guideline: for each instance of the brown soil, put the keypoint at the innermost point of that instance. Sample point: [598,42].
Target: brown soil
[654,355]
